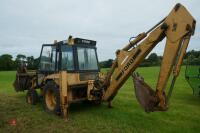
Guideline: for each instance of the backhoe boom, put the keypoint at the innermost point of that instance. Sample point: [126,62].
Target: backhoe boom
[177,27]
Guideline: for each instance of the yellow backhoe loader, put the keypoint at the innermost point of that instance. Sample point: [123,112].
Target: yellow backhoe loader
[68,71]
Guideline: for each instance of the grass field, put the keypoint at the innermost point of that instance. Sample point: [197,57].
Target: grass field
[193,74]
[126,116]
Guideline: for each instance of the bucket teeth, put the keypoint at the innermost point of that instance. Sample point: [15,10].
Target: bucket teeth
[145,95]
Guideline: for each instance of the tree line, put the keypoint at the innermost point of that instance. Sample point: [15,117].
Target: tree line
[8,63]
[191,57]
[152,60]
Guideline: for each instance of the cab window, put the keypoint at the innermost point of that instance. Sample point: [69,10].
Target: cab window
[48,58]
[87,59]
[67,62]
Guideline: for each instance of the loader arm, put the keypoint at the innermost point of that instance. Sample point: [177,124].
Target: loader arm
[177,28]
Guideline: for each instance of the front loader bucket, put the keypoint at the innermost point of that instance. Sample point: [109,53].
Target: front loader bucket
[145,95]
[23,80]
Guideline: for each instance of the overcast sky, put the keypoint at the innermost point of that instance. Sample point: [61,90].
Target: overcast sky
[26,24]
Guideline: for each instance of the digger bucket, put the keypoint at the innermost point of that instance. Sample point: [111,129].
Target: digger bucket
[145,95]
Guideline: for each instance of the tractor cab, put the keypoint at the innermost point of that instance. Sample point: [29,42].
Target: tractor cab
[74,55]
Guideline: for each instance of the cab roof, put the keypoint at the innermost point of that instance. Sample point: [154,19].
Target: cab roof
[77,41]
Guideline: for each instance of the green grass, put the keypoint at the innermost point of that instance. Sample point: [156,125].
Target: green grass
[193,74]
[126,116]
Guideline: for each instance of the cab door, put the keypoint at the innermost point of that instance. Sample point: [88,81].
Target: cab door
[48,62]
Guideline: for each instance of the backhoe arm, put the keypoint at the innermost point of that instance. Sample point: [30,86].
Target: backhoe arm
[177,27]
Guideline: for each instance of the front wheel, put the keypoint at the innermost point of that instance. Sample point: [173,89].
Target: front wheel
[51,98]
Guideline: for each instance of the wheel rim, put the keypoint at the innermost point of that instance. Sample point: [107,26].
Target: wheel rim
[50,100]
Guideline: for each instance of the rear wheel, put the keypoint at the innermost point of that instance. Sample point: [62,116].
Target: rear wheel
[51,98]
[32,97]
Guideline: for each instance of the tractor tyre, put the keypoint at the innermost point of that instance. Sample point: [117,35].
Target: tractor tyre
[51,98]
[32,97]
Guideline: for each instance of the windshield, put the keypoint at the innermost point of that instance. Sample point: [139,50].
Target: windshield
[87,59]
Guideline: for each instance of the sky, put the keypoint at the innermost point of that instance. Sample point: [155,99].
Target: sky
[27,24]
